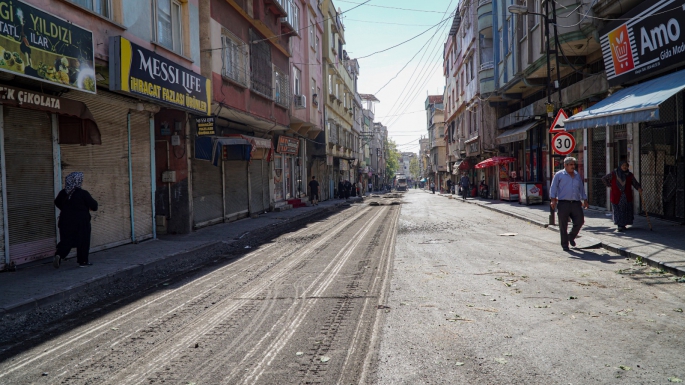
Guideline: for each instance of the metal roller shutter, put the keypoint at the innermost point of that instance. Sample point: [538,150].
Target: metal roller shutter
[266,178]
[142,186]
[257,187]
[236,188]
[105,169]
[207,193]
[30,184]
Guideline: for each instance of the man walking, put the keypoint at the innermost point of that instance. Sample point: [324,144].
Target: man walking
[433,187]
[567,193]
[314,191]
[465,183]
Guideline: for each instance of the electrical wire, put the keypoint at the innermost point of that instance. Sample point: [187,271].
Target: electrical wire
[380,22]
[388,7]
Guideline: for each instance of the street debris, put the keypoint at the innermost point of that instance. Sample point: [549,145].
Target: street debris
[674,379]
[679,310]
[501,360]
[508,234]
[572,297]
[623,367]
[541,306]
[299,354]
[325,359]
[459,363]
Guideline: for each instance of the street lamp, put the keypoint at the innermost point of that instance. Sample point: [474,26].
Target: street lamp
[523,10]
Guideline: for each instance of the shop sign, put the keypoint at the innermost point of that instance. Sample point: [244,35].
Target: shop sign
[141,72]
[206,125]
[41,46]
[652,39]
[288,145]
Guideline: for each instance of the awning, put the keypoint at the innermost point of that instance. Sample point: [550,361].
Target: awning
[469,141]
[639,103]
[495,161]
[460,165]
[515,134]
[257,143]
[239,154]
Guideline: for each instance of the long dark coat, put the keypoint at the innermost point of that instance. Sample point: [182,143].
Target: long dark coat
[74,223]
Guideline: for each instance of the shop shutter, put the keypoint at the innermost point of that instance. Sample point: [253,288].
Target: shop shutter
[257,187]
[236,188]
[105,168]
[266,178]
[207,192]
[142,186]
[30,184]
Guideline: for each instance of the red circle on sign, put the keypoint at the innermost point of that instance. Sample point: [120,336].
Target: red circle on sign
[563,143]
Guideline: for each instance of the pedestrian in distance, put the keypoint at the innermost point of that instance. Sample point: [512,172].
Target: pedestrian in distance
[567,194]
[314,191]
[464,183]
[75,205]
[341,189]
[433,187]
[622,181]
[449,186]
[347,187]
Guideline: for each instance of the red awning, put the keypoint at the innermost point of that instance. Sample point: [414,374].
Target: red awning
[495,161]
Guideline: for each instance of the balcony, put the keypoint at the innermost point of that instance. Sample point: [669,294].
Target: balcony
[289,22]
[485,18]
[486,77]
[278,7]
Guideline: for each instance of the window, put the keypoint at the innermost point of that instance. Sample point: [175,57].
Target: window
[295,16]
[297,86]
[167,24]
[312,36]
[537,9]
[318,92]
[281,87]
[101,7]
[316,46]
[313,83]
[330,84]
[234,59]
[261,70]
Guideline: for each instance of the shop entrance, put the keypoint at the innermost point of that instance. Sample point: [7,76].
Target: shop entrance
[662,162]
[30,184]
[597,191]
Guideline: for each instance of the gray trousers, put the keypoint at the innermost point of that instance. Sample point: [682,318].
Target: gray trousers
[573,210]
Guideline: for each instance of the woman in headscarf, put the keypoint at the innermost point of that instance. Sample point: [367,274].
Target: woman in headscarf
[622,181]
[75,205]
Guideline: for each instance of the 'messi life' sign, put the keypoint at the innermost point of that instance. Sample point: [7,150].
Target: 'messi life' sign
[144,73]
[651,40]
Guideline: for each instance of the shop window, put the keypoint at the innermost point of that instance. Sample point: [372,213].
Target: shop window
[167,16]
[234,58]
[101,7]
[73,130]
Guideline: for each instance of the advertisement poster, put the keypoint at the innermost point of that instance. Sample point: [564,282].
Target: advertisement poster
[206,125]
[288,145]
[38,45]
[503,171]
[139,71]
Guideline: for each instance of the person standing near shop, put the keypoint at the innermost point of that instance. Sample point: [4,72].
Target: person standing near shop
[567,193]
[75,205]
[622,181]
[433,187]
[449,186]
[464,183]
[314,191]
[341,189]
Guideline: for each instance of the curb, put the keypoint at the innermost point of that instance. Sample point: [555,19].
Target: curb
[614,248]
[138,269]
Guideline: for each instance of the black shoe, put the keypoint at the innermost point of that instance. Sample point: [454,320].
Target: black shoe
[621,229]
[56,261]
[572,242]
[565,248]
[85,264]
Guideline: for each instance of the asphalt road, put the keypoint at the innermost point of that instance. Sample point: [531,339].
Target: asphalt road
[472,306]
[299,309]
[427,292]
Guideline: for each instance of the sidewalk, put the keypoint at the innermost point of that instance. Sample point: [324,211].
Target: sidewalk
[664,247]
[41,284]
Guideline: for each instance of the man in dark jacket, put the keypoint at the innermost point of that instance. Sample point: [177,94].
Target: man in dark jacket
[314,191]
[341,189]
[75,205]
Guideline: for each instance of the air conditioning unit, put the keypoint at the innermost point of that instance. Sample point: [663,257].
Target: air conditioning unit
[300,101]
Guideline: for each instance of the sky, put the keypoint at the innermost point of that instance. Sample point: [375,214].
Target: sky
[381,24]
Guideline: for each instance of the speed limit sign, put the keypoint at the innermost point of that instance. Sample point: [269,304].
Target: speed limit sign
[563,143]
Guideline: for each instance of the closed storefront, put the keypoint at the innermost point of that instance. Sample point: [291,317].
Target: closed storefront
[236,196]
[118,173]
[259,186]
[30,187]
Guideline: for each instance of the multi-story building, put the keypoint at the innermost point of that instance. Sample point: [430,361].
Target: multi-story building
[435,119]
[469,122]
[112,99]
[367,137]
[424,160]
[339,83]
